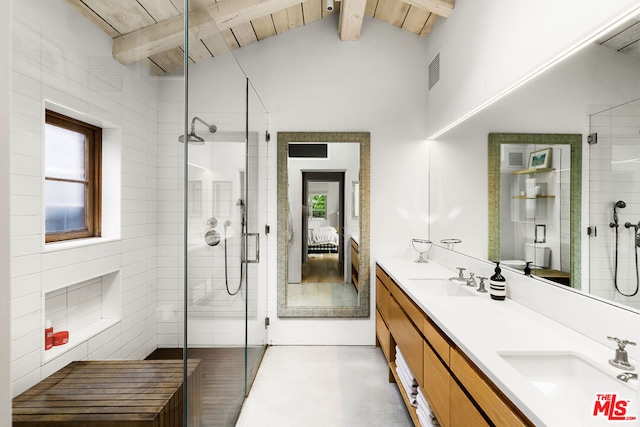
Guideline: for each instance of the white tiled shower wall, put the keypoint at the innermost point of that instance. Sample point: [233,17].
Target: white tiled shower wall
[60,58]
[76,306]
[615,175]
[215,318]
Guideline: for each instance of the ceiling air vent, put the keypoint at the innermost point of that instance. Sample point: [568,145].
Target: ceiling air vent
[434,71]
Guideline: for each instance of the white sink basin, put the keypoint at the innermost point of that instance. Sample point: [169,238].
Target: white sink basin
[443,288]
[570,380]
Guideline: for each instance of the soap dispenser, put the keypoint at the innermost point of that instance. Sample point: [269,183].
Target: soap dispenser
[498,284]
[527,269]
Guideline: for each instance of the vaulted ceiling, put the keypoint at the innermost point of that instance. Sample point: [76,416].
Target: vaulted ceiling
[152,30]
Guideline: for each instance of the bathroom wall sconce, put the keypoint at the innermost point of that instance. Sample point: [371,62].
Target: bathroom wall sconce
[540,233]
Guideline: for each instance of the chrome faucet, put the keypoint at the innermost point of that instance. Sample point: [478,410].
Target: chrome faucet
[460,276]
[481,287]
[626,376]
[621,360]
[471,281]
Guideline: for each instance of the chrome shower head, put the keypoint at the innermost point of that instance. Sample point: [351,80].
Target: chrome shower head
[620,204]
[192,138]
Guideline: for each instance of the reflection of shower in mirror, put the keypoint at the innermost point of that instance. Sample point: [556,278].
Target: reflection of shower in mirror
[635,242]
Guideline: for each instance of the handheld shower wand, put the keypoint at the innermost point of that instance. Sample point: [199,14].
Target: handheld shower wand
[618,205]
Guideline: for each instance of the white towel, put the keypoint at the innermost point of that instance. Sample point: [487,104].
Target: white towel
[410,392]
[405,387]
[422,401]
[408,374]
[424,421]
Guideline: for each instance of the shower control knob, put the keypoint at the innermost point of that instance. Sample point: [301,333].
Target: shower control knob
[212,237]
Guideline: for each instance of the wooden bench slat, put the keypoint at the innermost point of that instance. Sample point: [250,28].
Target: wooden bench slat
[106,393]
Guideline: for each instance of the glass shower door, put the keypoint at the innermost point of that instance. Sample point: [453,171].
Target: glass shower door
[225,184]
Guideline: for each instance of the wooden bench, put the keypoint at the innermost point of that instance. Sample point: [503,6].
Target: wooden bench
[112,393]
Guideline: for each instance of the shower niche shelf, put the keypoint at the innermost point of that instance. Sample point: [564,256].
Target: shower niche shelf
[84,309]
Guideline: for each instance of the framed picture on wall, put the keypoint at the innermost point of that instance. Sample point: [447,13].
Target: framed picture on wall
[540,159]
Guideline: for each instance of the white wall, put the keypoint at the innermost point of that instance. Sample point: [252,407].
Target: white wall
[486,47]
[311,81]
[5,274]
[60,57]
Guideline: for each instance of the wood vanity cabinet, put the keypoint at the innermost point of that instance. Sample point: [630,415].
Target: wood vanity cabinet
[459,394]
[493,403]
[465,414]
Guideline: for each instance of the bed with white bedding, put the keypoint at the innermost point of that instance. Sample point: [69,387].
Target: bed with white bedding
[323,240]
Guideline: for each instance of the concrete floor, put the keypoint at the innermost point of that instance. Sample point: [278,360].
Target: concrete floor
[323,386]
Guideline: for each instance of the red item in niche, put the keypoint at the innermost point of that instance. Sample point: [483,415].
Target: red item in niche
[60,338]
[48,336]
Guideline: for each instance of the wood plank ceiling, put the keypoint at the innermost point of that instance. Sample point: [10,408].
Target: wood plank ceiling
[151,30]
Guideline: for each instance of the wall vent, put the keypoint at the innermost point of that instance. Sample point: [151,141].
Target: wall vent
[434,71]
[516,159]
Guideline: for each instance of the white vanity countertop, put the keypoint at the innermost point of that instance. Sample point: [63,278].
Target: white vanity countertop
[482,327]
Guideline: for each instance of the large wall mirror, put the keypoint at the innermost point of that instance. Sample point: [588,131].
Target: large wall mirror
[537,215]
[323,224]
[535,183]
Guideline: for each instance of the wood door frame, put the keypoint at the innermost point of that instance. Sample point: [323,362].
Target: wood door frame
[322,176]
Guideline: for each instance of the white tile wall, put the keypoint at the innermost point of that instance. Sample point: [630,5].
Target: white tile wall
[60,58]
[74,307]
[215,317]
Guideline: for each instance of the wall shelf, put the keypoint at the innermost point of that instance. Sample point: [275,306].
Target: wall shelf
[530,171]
[78,337]
[85,309]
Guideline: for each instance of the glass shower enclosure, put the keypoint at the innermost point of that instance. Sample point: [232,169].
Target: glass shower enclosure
[212,296]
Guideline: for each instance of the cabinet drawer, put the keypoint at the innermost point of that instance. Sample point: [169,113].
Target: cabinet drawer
[412,310]
[382,299]
[435,384]
[384,338]
[496,406]
[436,339]
[463,411]
[406,337]
[384,277]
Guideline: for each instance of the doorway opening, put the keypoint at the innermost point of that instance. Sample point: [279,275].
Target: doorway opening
[323,227]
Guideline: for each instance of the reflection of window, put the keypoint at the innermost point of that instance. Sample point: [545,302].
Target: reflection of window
[72,178]
[319,206]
